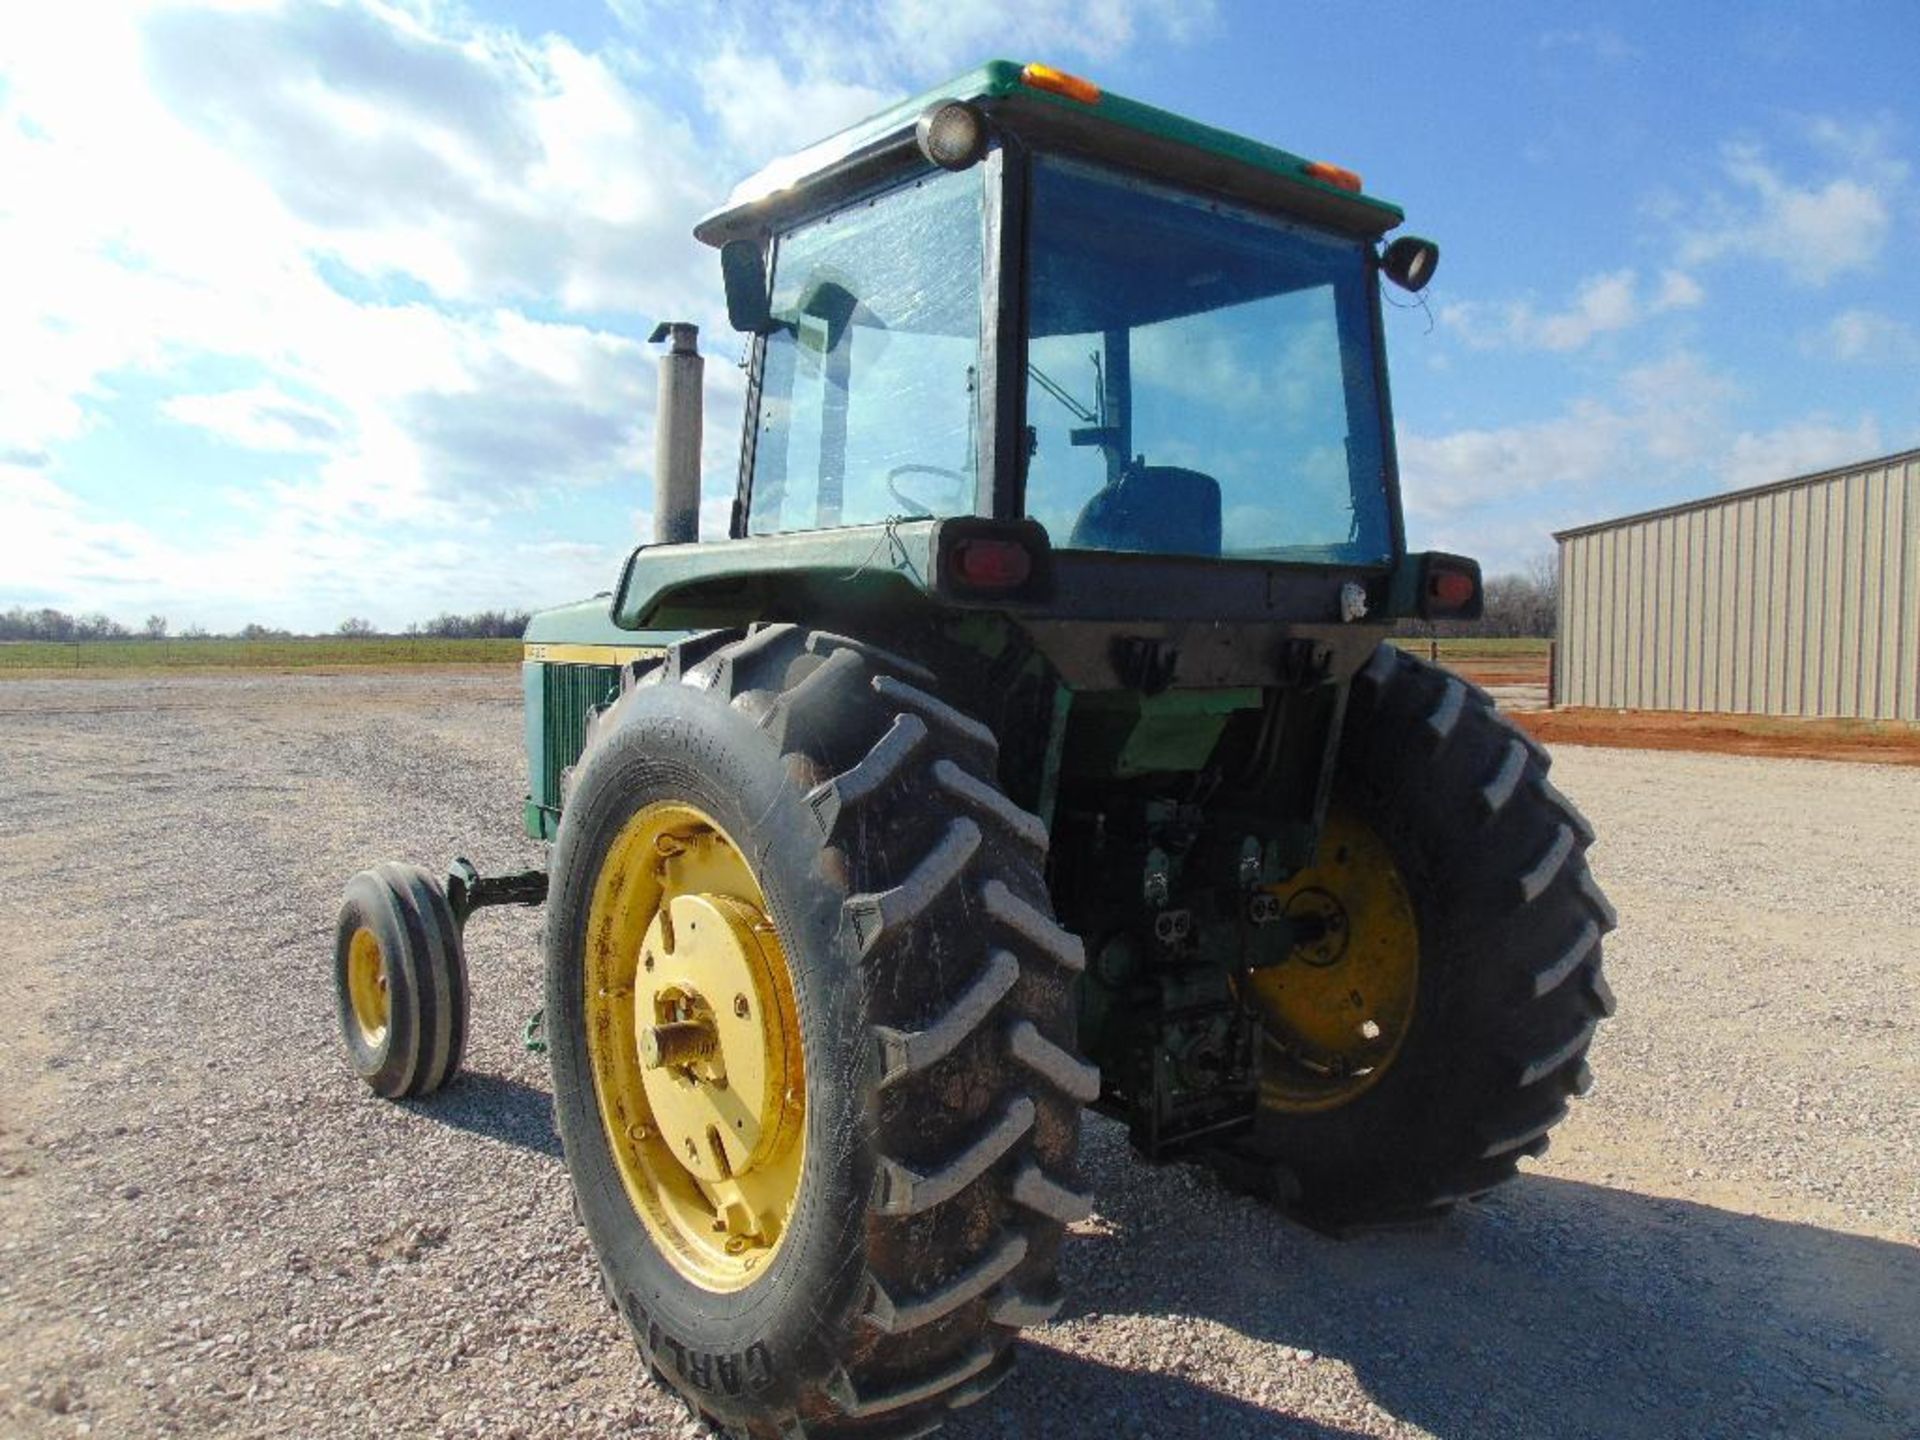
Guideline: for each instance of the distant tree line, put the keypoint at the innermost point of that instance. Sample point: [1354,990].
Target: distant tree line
[1516,605]
[20,623]
[23,624]
[481,625]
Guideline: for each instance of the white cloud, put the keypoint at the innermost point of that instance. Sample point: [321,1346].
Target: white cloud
[1601,305]
[142,243]
[1599,42]
[1665,431]
[1816,230]
[1664,416]
[263,417]
[161,226]
[1801,448]
[780,75]
[763,106]
[288,555]
[1678,291]
[1866,337]
[958,32]
[474,162]
[898,46]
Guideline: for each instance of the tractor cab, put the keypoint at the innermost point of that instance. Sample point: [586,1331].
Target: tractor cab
[1021,297]
[1029,327]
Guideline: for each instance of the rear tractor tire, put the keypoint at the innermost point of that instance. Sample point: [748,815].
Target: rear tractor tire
[812,1037]
[400,981]
[1435,1031]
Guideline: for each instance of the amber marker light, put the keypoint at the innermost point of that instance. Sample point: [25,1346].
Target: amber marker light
[1337,176]
[1045,77]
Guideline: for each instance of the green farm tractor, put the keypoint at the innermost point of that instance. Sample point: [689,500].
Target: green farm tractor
[1032,743]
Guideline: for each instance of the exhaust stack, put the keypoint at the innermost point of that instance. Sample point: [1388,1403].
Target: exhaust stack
[676,438]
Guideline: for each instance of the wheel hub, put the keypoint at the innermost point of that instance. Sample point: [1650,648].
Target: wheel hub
[1333,1014]
[1320,926]
[367,986]
[712,1042]
[695,1045]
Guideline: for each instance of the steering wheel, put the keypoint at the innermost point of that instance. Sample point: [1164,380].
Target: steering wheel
[915,509]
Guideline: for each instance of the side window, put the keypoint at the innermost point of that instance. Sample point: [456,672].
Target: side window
[869,388]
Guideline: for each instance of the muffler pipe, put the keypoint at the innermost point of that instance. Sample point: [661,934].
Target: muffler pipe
[676,436]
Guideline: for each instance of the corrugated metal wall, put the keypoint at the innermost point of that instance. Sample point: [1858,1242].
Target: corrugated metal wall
[1800,598]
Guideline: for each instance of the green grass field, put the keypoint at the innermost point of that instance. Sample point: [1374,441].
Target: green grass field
[47,657]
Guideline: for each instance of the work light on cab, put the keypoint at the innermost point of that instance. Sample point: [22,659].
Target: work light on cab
[1410,262]
[952,134]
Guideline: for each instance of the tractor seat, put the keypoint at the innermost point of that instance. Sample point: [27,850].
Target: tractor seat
[1161,509]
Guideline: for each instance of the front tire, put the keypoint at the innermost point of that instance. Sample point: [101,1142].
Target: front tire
[1505,921]
[400,981]
[933,1077]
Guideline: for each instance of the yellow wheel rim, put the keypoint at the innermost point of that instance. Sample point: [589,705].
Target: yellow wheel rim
[367,986]
[695,1045]
[1335,1012]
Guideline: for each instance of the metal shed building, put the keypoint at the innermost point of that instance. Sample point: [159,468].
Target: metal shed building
[1800,598]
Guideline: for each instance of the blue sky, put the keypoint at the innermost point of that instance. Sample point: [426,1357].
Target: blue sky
[313,311]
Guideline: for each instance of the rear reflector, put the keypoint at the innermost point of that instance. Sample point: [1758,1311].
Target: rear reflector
[985,564]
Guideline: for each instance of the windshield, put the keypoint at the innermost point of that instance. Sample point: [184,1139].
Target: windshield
[869,394]
[1201,380]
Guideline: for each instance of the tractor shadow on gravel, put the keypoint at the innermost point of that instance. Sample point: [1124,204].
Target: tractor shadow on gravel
[498,1107]
[1552,1308]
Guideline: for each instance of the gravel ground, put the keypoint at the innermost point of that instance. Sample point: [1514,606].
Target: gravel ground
[207,1227]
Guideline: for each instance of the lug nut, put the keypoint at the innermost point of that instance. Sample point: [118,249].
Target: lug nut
[740,1006]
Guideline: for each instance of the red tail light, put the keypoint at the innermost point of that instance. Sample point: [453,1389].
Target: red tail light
[992,564]
[1450,589]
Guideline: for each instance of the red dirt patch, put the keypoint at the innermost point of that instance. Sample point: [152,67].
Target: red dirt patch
[1868,741]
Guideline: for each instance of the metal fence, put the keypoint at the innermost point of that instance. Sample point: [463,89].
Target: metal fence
[1798,598]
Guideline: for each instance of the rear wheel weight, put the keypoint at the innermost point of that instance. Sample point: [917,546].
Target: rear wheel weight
[1509,991]
[935,1071]
[400,981]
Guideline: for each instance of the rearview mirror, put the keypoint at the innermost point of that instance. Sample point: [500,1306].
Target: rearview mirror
[749,307]
[831,303]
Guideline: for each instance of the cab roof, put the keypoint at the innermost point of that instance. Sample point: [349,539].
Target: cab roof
[1106,126]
